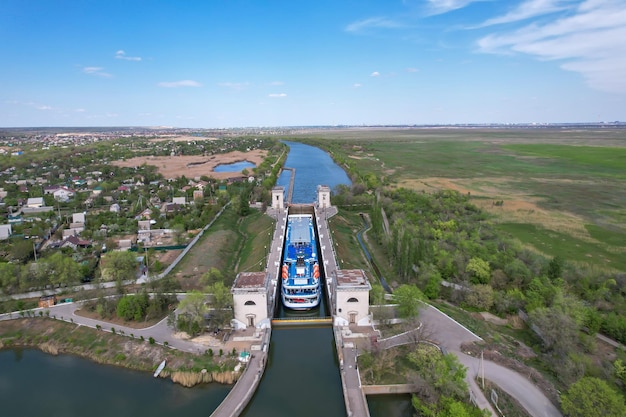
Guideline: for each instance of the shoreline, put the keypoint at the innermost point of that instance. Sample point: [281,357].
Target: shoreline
[55,337]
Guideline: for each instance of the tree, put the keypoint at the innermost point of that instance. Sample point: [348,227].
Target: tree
[592,397]
[192,309]
[119,267]
[8,277]
[555,268]
[377,294]
[479,270]
[212,276]
[480,296]
[408,298]
[222,300]
[63,269]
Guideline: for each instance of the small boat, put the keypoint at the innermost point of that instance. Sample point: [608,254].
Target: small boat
[159,369]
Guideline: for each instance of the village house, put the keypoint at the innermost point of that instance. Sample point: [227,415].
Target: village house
[34,202]
[5,231]
[63,194]
[75,242]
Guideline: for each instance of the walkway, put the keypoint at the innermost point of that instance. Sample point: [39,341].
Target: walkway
[356,403]
[243,391]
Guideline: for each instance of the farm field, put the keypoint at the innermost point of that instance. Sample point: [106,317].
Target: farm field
[561,191]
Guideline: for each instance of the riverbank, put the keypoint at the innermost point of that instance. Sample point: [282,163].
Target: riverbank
[58,337]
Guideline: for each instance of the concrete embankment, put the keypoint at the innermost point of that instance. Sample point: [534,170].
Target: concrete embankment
[243,391]
[389,389]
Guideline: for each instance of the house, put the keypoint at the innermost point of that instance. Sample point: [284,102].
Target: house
[5,231]
[63,194]
[125,244]
[47,301]
[115,208]
[251,302]
[179,200]
[34,202]
[78,218]
[198,194]
[145,214]
[171,208]
[143,224]
[50,189]
[351,297]
[75,242]
[3,193]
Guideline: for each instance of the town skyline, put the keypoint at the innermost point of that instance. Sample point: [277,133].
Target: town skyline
[243,64]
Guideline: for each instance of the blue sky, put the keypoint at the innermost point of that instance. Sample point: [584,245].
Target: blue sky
[236,63]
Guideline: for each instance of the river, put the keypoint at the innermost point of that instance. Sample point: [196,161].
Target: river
[302,377]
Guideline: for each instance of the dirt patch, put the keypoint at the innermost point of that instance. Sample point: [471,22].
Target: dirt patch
[493,319]
[516,207]
[193,166]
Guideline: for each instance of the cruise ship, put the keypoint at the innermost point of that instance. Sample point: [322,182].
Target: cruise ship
[300,269]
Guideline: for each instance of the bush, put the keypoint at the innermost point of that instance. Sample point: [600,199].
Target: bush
[151,340]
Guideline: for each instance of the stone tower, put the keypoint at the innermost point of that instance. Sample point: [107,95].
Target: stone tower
[323,196]
[278,198]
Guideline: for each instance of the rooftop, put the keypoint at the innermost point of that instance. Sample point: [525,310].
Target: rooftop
[352,278]
[250,281]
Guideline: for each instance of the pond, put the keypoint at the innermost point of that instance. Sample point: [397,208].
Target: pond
[234,167]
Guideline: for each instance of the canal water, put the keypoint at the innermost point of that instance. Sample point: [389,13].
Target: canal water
[313,167]
[302,377]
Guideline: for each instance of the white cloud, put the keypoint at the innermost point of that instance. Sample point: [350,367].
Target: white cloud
[357,85]
[373,23]
[181,83]
[528,9]
[80,110]
[44,107]
[412,70]
[375,74]
[444,6]
[277,83]
[277,95]
[122,55]
[97,71]
[590,40]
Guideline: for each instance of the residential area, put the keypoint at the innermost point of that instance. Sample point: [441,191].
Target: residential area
[66,200]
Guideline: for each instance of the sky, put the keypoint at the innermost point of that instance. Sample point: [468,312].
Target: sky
[263,63]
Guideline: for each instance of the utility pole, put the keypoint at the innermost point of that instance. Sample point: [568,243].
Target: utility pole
[482,369]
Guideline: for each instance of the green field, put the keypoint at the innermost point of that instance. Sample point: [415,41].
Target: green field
[568,181]
[559,244]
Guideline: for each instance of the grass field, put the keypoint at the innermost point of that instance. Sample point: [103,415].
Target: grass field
[231,245]
[565,188]
[344,227]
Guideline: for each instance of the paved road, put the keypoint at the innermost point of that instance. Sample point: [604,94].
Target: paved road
[450,335]
[161,332]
